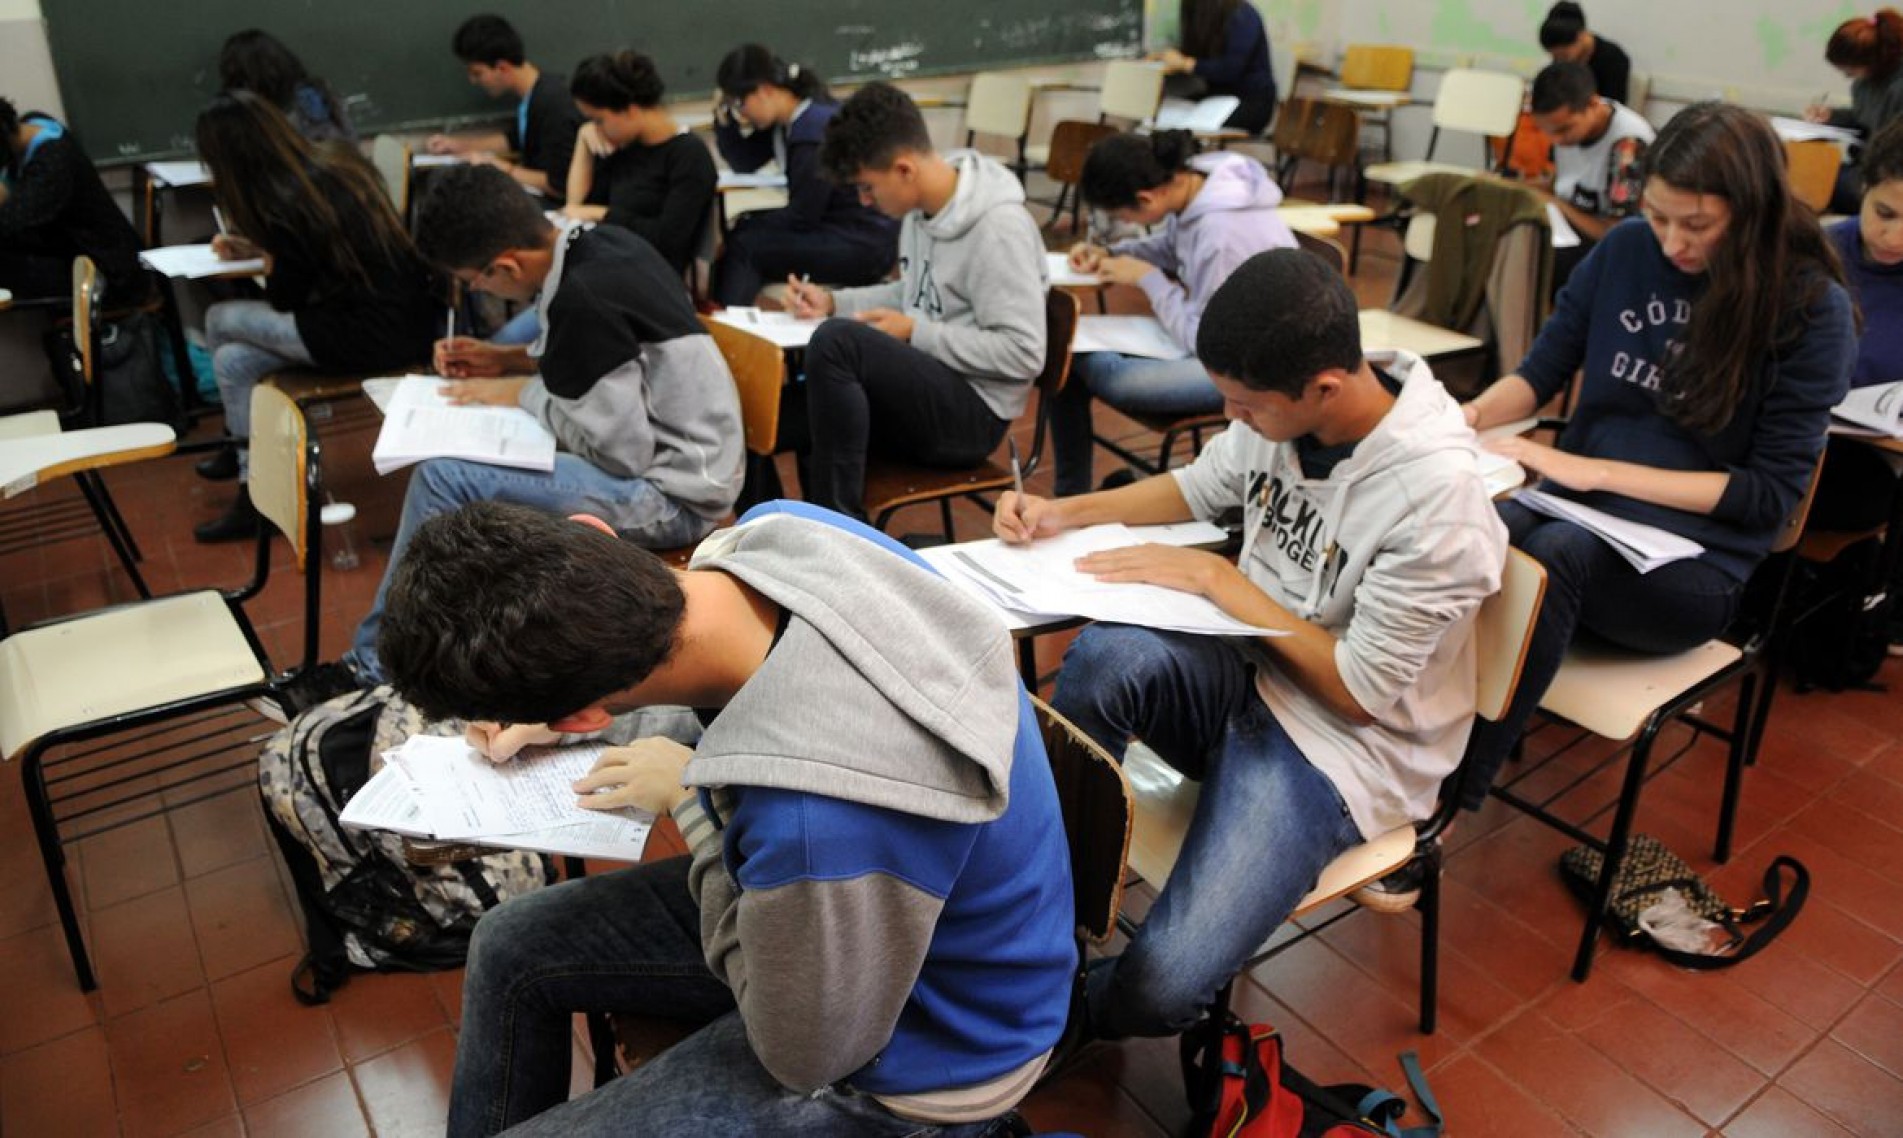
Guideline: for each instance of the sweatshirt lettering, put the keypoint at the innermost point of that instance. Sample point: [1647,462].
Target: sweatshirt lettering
[1294,525]
[1638,369]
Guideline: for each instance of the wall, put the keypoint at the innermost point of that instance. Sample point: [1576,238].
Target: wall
[24,59]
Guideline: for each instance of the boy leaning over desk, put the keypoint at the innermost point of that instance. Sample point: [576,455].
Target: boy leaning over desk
[1368,537]
[874,932]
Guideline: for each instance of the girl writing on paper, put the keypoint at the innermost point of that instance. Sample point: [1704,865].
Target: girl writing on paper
[634,166]
[1715,335]
[1215,212]
[774,111]
[1869,52]
[344,288]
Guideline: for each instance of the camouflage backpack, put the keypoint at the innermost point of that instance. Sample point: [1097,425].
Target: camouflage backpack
[365,904]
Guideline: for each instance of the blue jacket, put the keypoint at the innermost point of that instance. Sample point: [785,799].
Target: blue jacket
[1621,316]
[814,203]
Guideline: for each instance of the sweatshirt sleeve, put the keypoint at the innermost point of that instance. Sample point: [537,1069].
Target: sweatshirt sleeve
[1157,248]
[607,426]
[745,153]
[887,294]
[1180,312]
[820,968]
[1006,290]
[39,195]
[1789,433]
[1213,482]
[1561,345]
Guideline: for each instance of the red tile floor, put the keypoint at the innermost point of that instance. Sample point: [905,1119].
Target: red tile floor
[194,1030]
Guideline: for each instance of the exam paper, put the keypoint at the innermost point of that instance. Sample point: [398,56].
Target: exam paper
[421,423]
[1564,235]
[1203,117]
[1127,335]
[1063,276]
[187,172]
[1646,547]
[1876,408]
[779,327]
[759,180]
[195,262]
[465,796]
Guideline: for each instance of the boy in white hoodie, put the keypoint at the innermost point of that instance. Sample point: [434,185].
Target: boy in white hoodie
[932,367]
[1369,539]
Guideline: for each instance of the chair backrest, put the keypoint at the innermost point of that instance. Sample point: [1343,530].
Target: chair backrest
[88,289]
[1638,89]
[1504,631]
[1095,799]
[1377,67]
[759,372]
[1132,89]
[1813,171]
[998,104]
[1290,122]
[1483,102]
[1060,328]
[391,156]
[1332,135]
[1327,248]
[281,469]
[1071,141]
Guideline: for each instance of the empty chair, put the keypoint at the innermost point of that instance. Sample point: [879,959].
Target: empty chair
[1485,103]
[1000,105]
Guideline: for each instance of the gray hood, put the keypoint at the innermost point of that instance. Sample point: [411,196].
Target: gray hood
[887,687]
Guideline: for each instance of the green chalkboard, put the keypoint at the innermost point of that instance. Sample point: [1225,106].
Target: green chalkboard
[133,73]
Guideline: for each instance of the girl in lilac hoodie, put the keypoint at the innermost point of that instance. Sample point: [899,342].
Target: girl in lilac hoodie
[1216,211]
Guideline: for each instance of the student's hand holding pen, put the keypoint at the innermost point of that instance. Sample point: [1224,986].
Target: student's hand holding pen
[806,300]
[465,357]
[500,742]
[1021,517]
[1085,256]
[1123,270]
[644,775]
[231,247]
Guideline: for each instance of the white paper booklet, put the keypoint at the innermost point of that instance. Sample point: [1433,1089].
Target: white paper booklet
[780,327]
[1127,335]
[1798,130]
[1042,578]
[1203,117]
[1564,235]
[195,262]
[1876,408]
[1646,547]
[1063,276]
[185,172]
[440,788]
[758,180]
[420,422]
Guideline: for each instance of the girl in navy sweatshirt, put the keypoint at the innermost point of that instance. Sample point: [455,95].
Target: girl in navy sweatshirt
[1715,335]
[774,111]
[1225,51]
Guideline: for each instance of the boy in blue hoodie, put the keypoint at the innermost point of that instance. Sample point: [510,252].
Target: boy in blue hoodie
[875,927]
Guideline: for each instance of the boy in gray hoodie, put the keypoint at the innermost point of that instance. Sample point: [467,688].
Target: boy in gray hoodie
[1368,536]
[639,399]
[933,367]
[874,934]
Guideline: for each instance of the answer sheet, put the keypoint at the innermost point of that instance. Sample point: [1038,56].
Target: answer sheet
[420,422]
[1126,335]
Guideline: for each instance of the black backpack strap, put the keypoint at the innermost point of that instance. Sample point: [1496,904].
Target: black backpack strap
[1777,910]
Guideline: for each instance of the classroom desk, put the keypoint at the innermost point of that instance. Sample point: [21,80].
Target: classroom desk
[27,461]
[756,190]
[1375,106]
[156,178]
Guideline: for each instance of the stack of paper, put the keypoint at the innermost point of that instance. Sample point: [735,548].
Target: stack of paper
[1042,578]
[186,172]
[1646,547]
[758,180]
[195,262]
[421,423]
[779,327]
[441,788]
[1204,117]
[1798,130]
[1876,409]
[1142,336]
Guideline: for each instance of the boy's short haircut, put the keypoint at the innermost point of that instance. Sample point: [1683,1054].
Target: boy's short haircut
[871,130]
[1563,85]
[473,214]
[1882,160]
[1281,319]
[488,39]
[505,613]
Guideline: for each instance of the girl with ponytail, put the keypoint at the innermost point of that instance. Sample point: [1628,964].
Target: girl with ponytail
[774,111]
[1869,51]
[634,166]
[1215,212]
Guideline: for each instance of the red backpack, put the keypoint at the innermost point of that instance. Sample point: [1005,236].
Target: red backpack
[1240,1088]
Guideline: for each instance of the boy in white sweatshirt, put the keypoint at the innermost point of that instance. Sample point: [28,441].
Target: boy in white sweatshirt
[1369,539]
[932,367]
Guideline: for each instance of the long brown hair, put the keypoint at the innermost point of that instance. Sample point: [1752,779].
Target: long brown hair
[276,186]
[1203,25]
[1767,269]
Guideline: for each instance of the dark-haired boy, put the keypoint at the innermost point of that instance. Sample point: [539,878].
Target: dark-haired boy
[935,366]
[637,395]
[869,939]
[1369,539]
[546,121]
[1598,144]
[53,207]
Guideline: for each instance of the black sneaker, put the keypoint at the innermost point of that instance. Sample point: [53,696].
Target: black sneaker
[325,681]
[1395,893]
[221,466]
[241,522]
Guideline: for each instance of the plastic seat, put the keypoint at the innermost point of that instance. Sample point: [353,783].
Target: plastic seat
[1486,103]
[999,104]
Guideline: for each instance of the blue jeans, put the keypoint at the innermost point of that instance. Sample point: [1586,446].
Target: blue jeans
[1673,608]
[248,340]
[1128,383]
[1265,827]
[641,513]
[522,328]
[625,942]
